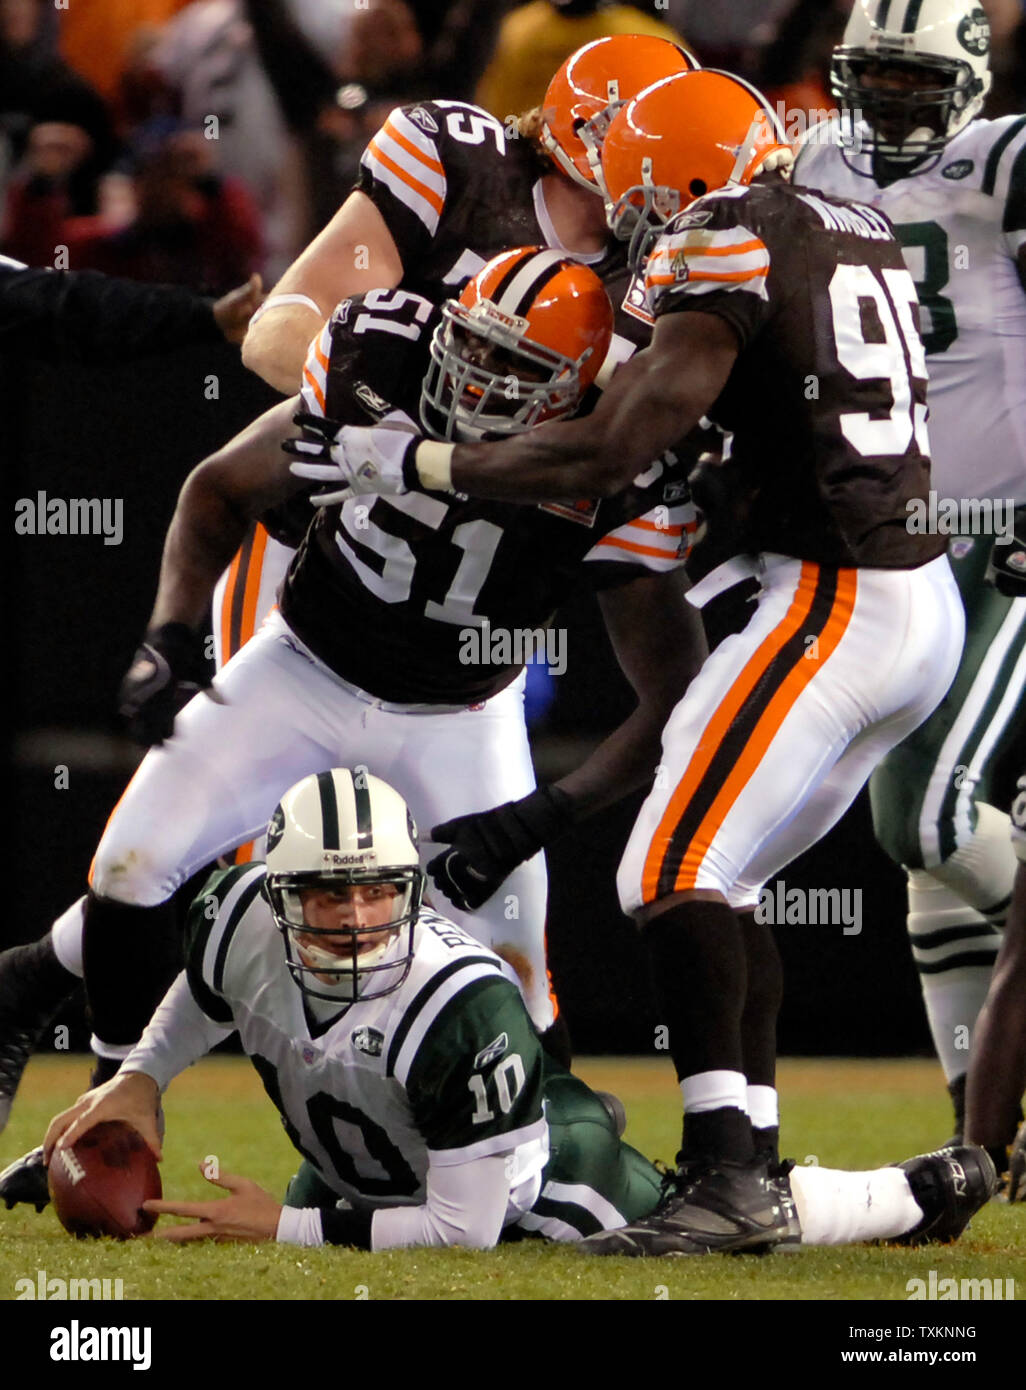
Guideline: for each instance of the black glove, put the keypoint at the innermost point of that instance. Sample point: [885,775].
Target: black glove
[1006,569]
[166,672]
[488,845]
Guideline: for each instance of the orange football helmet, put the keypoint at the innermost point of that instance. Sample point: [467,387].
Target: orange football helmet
[590,88]
[683,137]
[522,344]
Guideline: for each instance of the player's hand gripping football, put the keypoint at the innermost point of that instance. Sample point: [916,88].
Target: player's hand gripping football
[130,1096]
[488,846]
[168,668]
[247,1214]
[350,459]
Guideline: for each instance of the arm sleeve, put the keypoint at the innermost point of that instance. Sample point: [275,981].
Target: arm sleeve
[83,316]
[466,1205]
[178,1034]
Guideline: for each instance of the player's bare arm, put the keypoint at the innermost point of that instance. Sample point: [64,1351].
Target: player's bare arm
[997,1064]
[217,503]
[355,252]
[652,401]
[660,645]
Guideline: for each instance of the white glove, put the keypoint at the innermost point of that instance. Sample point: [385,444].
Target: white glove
[362,459]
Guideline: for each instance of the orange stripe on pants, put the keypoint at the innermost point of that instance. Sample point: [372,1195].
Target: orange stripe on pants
[779,707]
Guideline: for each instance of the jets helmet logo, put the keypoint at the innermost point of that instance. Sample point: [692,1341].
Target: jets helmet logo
[368,1040]
[276,828]
[974,33]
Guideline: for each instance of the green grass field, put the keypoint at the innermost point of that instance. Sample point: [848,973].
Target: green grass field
[843,1113]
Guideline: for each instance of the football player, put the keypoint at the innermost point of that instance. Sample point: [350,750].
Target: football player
[441,190]
[912,78]
[388,648]
[443,187]
[407,1073]
[787,318]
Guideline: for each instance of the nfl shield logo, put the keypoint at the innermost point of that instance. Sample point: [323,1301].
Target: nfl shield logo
[309,1054]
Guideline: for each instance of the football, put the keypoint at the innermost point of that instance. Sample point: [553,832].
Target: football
[98,1185]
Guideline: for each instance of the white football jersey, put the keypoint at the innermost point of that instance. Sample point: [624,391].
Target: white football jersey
[961,225]
[445,1069]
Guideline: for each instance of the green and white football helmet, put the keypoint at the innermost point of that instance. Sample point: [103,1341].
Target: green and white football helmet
[909,75]
[345,884]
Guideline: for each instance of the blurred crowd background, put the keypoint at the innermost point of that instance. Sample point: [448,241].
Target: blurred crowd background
[195,141]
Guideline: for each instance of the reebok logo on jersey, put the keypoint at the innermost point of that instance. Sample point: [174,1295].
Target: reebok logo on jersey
[368,1040]
[958,169]
[424,119]
[492,1052]
[376,404]
[974,33]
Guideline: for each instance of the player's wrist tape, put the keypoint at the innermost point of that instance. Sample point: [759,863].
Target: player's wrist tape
[277,301]
[429,466]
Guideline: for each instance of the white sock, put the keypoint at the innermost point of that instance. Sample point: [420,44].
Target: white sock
[67,938]
[836,1207]
[763,1107]
[712,1090]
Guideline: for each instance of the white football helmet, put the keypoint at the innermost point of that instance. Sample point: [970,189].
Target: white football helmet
[942,49]
[336,831]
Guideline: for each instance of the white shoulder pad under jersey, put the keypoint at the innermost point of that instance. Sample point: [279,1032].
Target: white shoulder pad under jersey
[961,225]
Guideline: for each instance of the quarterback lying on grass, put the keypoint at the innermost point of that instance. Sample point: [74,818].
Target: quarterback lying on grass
[409,1076]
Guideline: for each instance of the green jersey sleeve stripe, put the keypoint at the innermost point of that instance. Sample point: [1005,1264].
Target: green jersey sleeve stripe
[990,171]
[205,963]
[423,998]
[235,916]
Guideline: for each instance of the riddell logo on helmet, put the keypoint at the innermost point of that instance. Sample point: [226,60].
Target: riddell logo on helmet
[333,859]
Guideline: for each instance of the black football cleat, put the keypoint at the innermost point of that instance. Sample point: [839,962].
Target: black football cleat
[25,1181]
[33,986]
[950,1186]
[708,1208]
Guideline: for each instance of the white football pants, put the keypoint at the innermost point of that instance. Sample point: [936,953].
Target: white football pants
[786,720]
[279,715]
